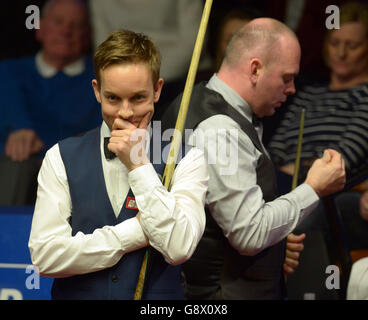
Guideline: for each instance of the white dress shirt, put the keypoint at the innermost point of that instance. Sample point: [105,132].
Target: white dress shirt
[235,200]
[172,222]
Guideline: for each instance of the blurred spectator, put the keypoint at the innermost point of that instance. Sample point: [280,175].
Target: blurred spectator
[336,116]
[226,18]
[307,18]
[45,98]
[172,25]
[336,112]
[231,22]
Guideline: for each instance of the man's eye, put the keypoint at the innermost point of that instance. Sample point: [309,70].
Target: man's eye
[287,79]
[352,45]
[138,97]
[58,21]
[334,43]
[111,98]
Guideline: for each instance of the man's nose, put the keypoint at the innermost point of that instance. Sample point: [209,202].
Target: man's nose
[67,28]
[125,110]
[341,50]
[290,89]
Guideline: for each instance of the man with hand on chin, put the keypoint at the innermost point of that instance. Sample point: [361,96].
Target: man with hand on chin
[125,137]
[98,207]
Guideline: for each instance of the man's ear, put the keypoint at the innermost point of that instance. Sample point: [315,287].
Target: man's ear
[158,87]
[96,89]
[255,69]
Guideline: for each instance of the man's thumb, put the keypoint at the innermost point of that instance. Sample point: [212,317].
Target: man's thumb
[326,156]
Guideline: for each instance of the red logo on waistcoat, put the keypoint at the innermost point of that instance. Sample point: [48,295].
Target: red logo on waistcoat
[131,204]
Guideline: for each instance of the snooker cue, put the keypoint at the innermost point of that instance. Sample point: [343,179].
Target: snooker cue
[179,127]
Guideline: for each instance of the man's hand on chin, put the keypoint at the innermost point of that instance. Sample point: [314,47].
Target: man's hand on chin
[128,142]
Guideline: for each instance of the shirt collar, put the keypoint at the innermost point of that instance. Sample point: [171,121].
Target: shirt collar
[105,131]
[230,96]
[48,71]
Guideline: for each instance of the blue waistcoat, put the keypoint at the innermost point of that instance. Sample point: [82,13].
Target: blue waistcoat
[91,209]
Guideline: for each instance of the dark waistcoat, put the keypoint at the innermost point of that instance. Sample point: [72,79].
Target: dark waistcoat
[91,209]
[216,270]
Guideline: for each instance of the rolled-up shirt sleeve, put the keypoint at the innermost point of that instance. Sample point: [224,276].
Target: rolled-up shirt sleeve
[173,220]
[236,201]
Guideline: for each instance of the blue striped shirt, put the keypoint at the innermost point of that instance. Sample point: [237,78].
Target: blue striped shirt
[333,119]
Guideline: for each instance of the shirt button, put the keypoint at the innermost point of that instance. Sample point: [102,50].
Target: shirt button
[114,278]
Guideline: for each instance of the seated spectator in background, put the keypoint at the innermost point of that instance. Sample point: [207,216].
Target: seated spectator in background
[227,26]
[336,113]
[307,18]
[172,25]
[336,116]
[45,98]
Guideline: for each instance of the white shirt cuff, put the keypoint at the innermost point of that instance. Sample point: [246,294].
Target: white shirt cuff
[307,198]
[131,235]
[143,179]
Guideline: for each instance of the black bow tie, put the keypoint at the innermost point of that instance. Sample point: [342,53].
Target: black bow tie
[109,155]
[256,121]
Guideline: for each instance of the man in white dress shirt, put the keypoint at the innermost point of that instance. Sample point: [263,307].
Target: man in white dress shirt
[242,250]
[98,208]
